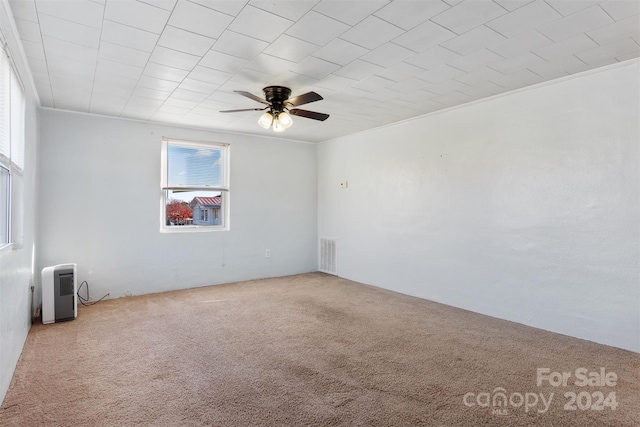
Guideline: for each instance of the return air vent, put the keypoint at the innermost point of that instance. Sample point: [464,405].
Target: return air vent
[328,255]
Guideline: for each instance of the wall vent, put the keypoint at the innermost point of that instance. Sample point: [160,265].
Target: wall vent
[328,255]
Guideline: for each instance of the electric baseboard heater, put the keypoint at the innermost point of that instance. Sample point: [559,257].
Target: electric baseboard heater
[59,293]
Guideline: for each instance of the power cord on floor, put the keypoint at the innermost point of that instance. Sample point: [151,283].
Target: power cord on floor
[86,301]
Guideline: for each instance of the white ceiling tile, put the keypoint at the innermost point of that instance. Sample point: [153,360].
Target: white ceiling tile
[79,11]
[180,103]
[568,7]
[259,24]
[441,73]
[471,41]
[525,19]
[350,12]
[247,79]
[173,58]
[620,9]
[317,28]
[373,83]
[445,86]
[359,69]
[185,41]
[125,55]
[198,86]
[479,75]
[119,69]
[520,44]
[511,65]
[162,4]
[269,64]
[559,66]
[609,51]
[518,79]
[223,62]
[475,60]
[628,56]
[114,85]
[315,67]
[199,19]
[29,31]
[137,15]
[400,71]
[433,58]
[24,9]
[372,32]
[293,80]
[37,65]
[68,69]
[453,98]
[209,75]
[424,36]
[108,105]
[335,82]
[406,14]
[512,5]
[229,7]
[340,52]
[124,35]
[69,31]
[33,50]
[239,45]
[388,54]
[468,15]
[627,27]
[409,85]
[482,90]
[159,84]
[145,92]
[189,95]
[164,72]
[64,49]
[575,24]
[566,47]
[291,48]
[292,10]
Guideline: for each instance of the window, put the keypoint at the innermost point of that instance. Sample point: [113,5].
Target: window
[195,180]
[12,118]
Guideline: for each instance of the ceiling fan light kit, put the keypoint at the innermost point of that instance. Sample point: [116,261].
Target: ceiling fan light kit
[279,107]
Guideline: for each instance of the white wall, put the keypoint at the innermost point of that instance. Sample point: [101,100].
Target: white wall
[16,263]
[100,207]
[523,207]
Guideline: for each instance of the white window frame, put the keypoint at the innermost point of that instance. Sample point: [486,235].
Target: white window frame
[13,161]
[224,189]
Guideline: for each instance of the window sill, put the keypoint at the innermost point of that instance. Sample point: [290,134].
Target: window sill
[192,229]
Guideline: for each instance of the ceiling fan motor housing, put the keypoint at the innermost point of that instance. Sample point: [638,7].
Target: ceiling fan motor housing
[276,96]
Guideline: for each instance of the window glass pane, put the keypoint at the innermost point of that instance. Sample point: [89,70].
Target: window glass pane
[4,206]
[193,208]
[194,166]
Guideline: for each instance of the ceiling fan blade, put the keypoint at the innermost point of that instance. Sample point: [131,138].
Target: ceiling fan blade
[244,109]
[252,96]
[305,98]
[309,114]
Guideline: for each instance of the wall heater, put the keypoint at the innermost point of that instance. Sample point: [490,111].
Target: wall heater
[59,293]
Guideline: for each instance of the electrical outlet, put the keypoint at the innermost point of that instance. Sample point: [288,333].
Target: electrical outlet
[267,253]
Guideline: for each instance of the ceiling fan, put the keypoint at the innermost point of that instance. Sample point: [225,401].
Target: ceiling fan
[279,107]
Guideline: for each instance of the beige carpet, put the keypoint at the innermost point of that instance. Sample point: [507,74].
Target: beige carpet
[310,350]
